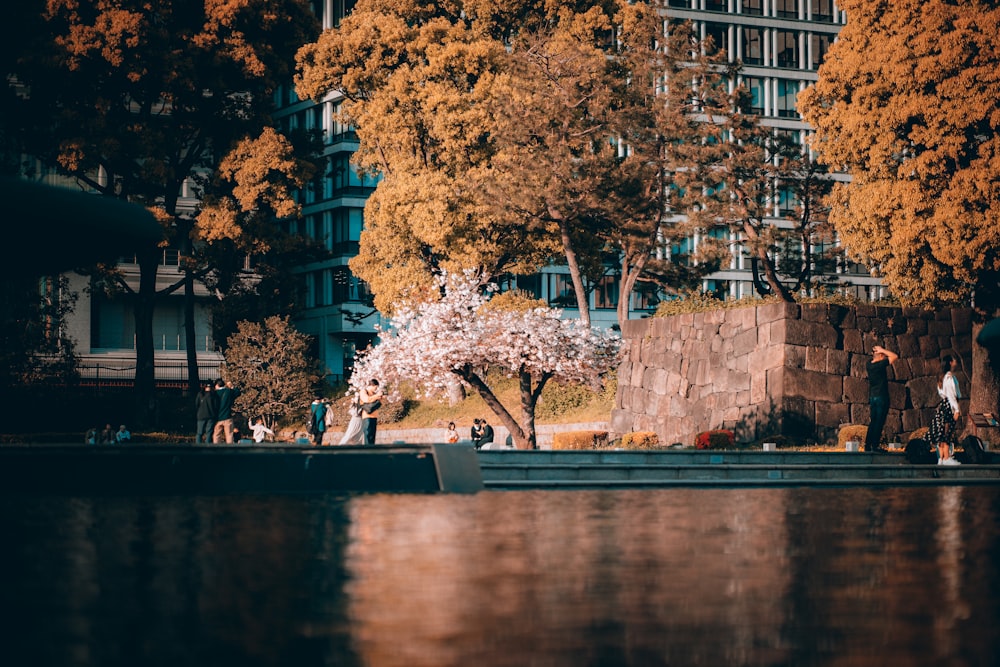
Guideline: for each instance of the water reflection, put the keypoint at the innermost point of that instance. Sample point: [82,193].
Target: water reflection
[681,577]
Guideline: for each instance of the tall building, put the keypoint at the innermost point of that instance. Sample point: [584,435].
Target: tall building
[781,44]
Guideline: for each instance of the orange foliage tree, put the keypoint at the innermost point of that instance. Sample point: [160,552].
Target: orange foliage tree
[134,98]
[908,103]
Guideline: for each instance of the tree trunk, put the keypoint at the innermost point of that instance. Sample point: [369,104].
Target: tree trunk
[984,392]
[517,434]
[582,298]
[145,361]
[629,277]
[190,338]
[770,274]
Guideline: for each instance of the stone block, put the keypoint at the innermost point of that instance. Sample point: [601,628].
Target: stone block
[901,371]
[815,359]
[962,344]
[940,327]
[758,387]
[908,345]
[815,312]
[929,346]
[923,392]
[773,312]
[795,356]
[961,321]
[899,396]
[813,386]
[632,329]
[745,342]
[832,414]
[855,389]
[800,332]
[853,341]
[763,358]
[838,362]
[911,420]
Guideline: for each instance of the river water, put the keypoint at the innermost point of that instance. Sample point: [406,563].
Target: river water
[791,576]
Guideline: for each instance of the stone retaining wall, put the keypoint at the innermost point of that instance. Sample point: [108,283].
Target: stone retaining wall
[797,370]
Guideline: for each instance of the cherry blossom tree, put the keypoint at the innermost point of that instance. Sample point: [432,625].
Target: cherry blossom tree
[430,343]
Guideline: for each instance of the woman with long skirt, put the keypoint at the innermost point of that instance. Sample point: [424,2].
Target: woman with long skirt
[942,429]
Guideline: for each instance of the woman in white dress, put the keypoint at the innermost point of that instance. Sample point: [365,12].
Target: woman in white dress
[353,435]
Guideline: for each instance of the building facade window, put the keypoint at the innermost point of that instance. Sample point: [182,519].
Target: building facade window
[752,6]
[755,85]
[822,10]
[718,33]
[561,292]
[820,44]
[786,9]
[788,91]
[606,293]
[753,46]
[786,44]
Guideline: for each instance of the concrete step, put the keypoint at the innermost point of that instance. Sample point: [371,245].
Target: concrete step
[596,469]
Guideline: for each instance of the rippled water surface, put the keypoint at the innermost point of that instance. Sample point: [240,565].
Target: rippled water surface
[851,576]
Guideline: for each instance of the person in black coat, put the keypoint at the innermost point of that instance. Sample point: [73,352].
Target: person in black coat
[206,405]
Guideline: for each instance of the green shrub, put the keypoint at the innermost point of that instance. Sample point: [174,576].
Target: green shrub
[715,439]
[640,440]
[580,440]
[851,432]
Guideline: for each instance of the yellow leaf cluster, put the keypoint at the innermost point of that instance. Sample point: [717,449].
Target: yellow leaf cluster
[908,102]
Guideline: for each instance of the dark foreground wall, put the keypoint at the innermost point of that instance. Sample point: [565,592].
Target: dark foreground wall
[182,469]
[797,370]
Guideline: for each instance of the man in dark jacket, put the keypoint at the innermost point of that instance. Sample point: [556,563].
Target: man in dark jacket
[485,434]
[206,405]
[226,394]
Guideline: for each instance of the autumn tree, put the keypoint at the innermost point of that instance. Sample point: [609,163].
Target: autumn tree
[429,344]
[414,77]
[908,104]
[271,364]
[134,98]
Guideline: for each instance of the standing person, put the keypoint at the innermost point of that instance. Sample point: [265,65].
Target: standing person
[878,395]
[942,430]
[317,420]
[226,394]
[260,430]
[371,400]
[206,406]
[354,435]
[451,435]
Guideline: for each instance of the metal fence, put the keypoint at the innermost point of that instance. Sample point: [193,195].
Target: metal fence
[167,374]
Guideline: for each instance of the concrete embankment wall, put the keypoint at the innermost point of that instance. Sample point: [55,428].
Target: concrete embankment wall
[797,370]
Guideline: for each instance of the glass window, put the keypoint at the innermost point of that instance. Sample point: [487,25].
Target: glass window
[820,45]
[788,91]
[606,293]
[787,9]
[718,33]
[683,4]
[753,6]
[788,200]
[531,284]
[753,46]
[716,5]
[755,85]
[822,10]
[787,46]
[561,292]
[645,297]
